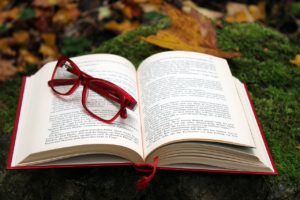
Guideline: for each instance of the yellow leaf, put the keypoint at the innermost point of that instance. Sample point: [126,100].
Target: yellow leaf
[66,14]
[258,11]
[49,38]
[28,57]
[192,27]
[296,60]
[191,31]
[7,69]
[169,40]
[9,15]
[21,37]
[237,12]
[48,51]
[121,27]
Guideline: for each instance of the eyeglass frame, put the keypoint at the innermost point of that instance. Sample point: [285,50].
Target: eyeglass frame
[109,90]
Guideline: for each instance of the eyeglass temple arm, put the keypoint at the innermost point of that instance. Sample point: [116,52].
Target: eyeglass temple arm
[58,82]
[112,94]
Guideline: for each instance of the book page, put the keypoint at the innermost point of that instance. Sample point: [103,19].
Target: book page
[188,96]
[56,121]
[261,150]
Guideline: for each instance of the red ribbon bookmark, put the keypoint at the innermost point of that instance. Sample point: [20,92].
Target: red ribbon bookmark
[146,168]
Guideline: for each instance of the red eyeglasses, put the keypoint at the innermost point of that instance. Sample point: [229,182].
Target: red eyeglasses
[102,99]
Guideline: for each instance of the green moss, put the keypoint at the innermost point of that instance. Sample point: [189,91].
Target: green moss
[294,9]
[9,92]
[75,45]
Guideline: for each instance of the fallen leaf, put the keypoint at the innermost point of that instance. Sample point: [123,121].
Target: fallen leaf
[48,51]
[122,27]
[45,3]
[208,35]
[192,27]
[191,31]
[296,60]
[168,40]
[42,24]
[211,14]
[129,8]
[27,58]
[104,12]
[3,3]
[50,3]
[258,11]
[66,14]
[132,10]
[49,39]
[7,69]
[21,37]
[237,12]
[5,46]
[9,15]
[49,48]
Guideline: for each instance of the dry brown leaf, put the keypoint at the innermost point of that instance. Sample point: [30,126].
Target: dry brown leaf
[129,8]
[49,38]
[3,3]
[211,14]
[21,37]
[167,39]
[122,27]
[237,12]
[50,3]
[193,28]
[151,5]
[66,14]
[27,58]
[188,32]
[45,3]
[132,10]
[49,48]
[7,69]
[296,60]
[258,11]
[9,15]
[5,48]
[208,35]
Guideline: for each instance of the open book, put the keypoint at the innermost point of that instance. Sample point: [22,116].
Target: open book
[192,113]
